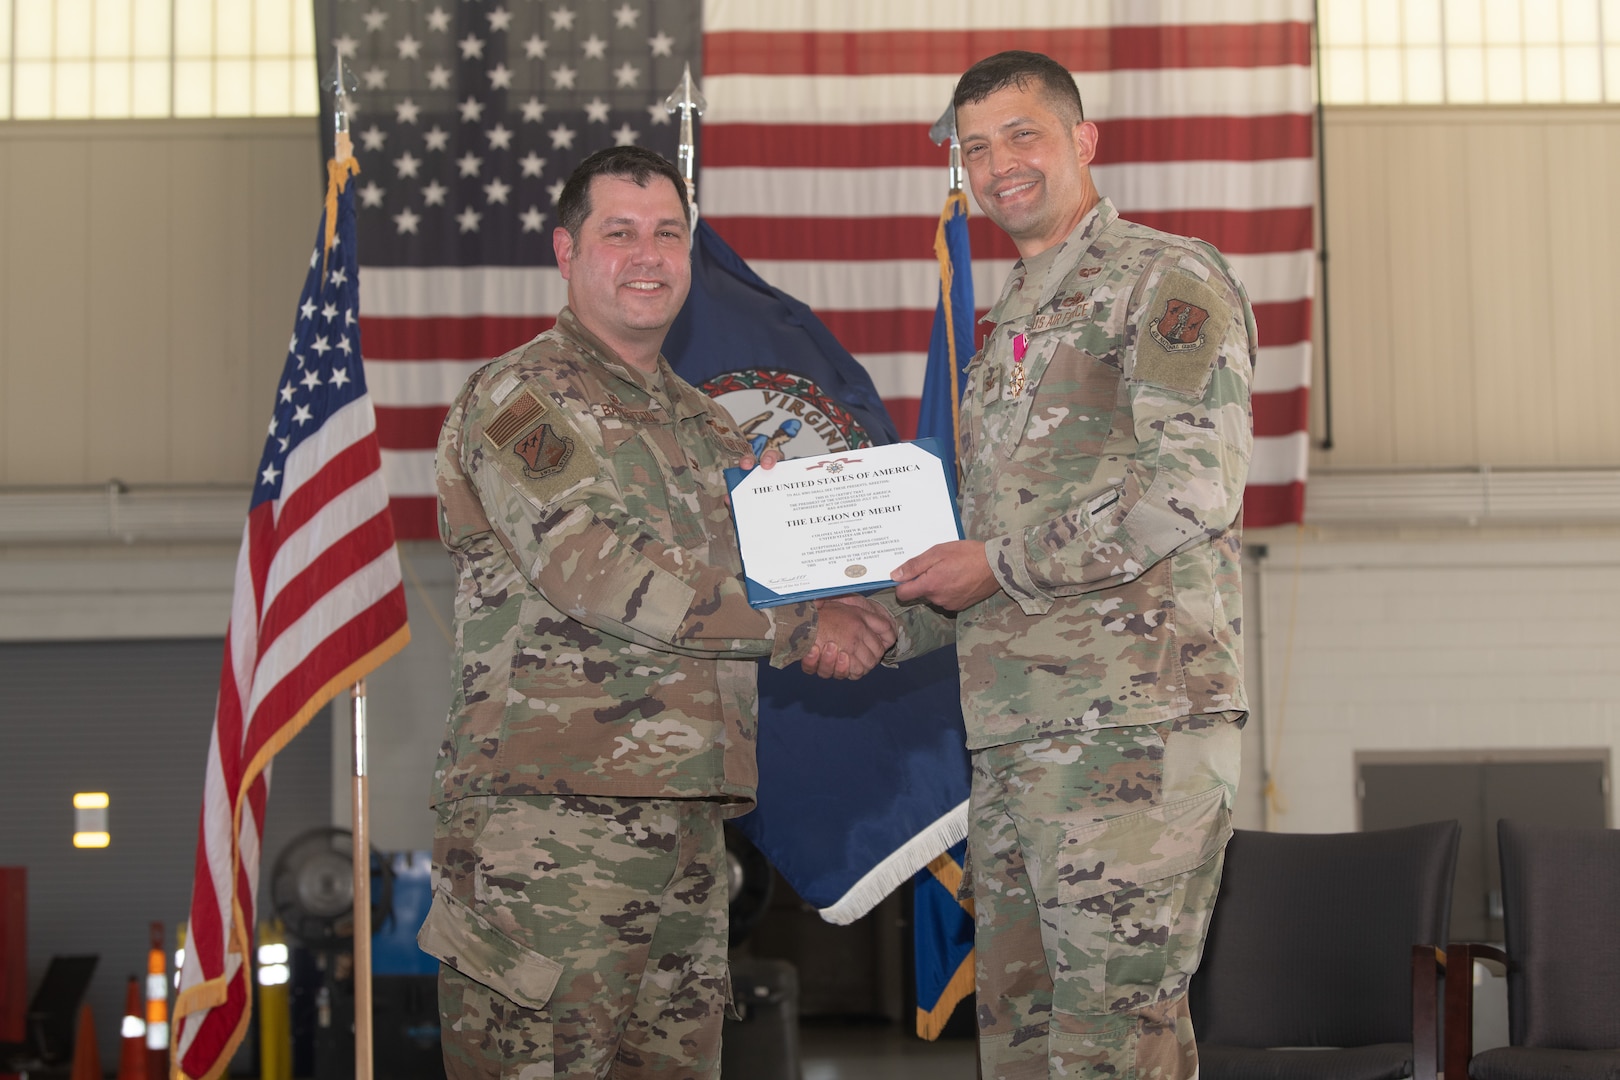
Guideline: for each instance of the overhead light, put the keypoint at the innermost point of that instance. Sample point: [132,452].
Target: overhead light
[90,819]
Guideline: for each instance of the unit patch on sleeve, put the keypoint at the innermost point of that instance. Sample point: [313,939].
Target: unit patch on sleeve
[539,443]
[544,452]
[1186,323]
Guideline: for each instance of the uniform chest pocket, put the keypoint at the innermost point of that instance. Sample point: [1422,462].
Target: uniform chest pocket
[655,485]
[1072,411]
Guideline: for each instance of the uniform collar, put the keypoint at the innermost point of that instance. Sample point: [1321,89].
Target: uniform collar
[635,387]
[1074,247]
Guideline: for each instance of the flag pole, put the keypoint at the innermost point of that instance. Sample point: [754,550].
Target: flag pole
[689,101]
[943,130]
[362,887]
[342,84]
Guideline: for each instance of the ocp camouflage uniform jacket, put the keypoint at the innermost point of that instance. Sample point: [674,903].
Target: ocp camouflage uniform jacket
[1107,484]
[602,633]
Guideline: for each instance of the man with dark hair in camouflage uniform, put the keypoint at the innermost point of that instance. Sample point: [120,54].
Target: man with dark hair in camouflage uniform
[604,707]
[1105,442]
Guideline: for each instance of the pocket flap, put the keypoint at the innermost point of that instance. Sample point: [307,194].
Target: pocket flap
[1149,845]
[465,940]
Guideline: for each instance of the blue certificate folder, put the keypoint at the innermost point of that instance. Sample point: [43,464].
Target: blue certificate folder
[761,597]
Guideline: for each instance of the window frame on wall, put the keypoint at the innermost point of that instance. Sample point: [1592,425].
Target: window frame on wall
[156,59]
[1469,52]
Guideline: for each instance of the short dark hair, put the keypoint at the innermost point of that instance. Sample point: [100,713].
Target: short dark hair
[630,162]
[1018,68]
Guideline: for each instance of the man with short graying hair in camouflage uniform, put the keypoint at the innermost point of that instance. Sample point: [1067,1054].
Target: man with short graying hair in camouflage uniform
[604,704]
[1105,441]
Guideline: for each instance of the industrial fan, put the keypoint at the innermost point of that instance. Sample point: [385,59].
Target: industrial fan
[312,888]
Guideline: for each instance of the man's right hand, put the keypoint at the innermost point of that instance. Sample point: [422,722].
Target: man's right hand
[852,634]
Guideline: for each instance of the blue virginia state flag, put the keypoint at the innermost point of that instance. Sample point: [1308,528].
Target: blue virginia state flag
[941,926]
[950,346]
[862,783]
[942,940]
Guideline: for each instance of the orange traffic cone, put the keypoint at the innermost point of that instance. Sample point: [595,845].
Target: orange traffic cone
[132,1054]
[86,1057]
[157,1007]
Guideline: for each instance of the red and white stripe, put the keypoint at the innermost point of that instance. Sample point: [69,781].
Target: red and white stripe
[318,603]
[817,169]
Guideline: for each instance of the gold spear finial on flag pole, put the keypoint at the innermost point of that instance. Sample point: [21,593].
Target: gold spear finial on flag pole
[945,129]
[688,100]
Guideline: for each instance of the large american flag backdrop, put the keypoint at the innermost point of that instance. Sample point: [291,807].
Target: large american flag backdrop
[814,164]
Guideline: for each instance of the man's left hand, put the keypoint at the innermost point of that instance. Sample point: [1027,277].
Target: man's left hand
[765,461]
[952,576]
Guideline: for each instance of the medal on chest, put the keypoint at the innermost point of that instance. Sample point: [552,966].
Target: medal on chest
[1015,377]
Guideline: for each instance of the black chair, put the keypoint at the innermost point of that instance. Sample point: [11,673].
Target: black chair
[1323,961]
[53,1017]
[1561,918]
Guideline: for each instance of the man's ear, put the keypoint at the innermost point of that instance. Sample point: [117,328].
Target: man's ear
[1085,141]
[562,242]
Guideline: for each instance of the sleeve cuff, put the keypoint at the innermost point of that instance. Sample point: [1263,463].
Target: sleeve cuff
[793,631]
[906,646]
[1010,566]
[891,659]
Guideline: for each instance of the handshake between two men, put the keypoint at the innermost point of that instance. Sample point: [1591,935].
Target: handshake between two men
[852,632]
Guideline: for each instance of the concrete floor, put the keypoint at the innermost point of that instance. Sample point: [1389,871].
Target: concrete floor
[882,1052]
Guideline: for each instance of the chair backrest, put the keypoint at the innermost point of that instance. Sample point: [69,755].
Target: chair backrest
[1311,943]
[53,1011]
[1561,917]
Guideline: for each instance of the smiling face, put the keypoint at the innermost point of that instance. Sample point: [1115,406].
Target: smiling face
[1028,164]
[629,271]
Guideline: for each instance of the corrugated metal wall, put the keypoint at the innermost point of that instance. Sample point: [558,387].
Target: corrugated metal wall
[148,274]
[143,309]
[131,718]
[1471,282]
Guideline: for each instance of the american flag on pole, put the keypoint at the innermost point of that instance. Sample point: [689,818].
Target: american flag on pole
[815,165]
[318,604]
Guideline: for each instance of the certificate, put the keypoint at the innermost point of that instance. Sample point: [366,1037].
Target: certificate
[839,523]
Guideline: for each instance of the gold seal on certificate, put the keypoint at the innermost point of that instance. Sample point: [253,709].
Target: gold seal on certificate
[838,523]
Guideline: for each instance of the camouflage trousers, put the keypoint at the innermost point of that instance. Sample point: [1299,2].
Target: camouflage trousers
[1095,858]
[580,937]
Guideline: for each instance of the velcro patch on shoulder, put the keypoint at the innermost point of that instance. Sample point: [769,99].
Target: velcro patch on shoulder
[514,418]
[538,446]
[1186,323]
[549,454]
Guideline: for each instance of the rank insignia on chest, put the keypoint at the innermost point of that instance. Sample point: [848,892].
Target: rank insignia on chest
[543,452]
